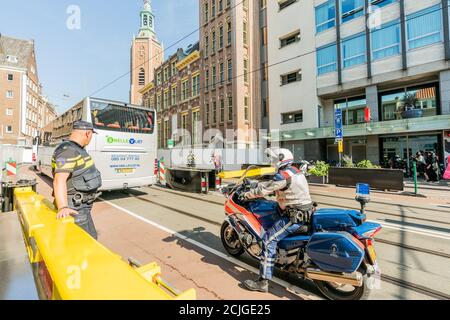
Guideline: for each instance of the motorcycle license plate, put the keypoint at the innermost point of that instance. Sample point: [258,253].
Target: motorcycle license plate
[125,170]
[372,254]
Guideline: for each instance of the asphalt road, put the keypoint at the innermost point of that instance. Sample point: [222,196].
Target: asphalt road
[413,248]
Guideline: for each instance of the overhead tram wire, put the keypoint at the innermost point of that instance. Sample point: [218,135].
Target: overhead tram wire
[279,62]
[153,57]
[214,84]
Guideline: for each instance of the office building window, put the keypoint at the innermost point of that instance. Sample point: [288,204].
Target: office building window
[184,90]
[206,45]
[214,112]
[9,112]
[286,3]
[386,40]
[221,37]
[351,9]
[229,32]
[246,115]
[214,77]
[207,114]
[327,59]
[174,95]
[222,110]
[382,3]
[325,16]
[230,70]
[352,110]
[246,71]
[354,51]
[222,73]
[174,69]
[158,78]
[206,11]
[10,77]
[220,5]
[394,108]
[9,94]
[8,129]
[207,80]
[291,77]
[289,39]
[213,41]
[166,99]
[196,85]
[213,8]
[424,27]
[230,108]
[292,117]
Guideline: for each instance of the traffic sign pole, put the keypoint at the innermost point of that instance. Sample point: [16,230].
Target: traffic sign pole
[339,133]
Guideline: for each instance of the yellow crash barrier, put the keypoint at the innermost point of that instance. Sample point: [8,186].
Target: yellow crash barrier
[68,264]
[251,173]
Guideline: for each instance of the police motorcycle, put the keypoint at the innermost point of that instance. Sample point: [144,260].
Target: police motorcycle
[335,251]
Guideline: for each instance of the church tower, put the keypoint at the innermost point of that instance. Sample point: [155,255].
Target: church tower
[146,54]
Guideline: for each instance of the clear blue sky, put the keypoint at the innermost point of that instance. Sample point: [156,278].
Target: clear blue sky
[79,62]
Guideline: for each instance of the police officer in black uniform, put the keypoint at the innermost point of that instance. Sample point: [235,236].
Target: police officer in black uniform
[76,180]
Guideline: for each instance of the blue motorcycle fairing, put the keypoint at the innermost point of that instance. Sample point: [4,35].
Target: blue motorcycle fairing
[335,252]
[265,211]
[336,219]
[294,242]
[366,229]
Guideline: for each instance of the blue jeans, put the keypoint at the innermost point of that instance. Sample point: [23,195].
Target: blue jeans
[280,230]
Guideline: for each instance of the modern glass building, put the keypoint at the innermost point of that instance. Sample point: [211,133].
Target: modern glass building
[366,54]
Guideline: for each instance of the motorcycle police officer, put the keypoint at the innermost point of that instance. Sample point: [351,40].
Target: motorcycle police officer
[292,192]
[75,177]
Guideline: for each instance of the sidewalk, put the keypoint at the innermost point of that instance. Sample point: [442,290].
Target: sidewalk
[429,194]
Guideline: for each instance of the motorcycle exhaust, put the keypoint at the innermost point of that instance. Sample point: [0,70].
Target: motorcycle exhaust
[354,279]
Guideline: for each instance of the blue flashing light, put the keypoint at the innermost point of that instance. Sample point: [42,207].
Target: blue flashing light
[362,189]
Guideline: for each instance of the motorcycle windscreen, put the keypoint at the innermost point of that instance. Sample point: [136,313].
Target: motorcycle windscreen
[335,252]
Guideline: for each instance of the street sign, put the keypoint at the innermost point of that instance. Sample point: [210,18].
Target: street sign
[338,126]
[170,143]
[340,146]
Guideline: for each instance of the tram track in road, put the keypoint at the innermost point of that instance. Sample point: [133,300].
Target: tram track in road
[378,239]
[390,279]
[415,287]
[323,203]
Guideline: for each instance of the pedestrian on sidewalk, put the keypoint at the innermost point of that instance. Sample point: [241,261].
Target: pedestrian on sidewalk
[447,171]
[431,168]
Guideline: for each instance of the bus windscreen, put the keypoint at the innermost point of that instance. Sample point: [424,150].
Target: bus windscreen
[111,117]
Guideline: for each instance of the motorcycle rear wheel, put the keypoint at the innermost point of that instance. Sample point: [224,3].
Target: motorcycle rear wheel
[230,240]
[332,291]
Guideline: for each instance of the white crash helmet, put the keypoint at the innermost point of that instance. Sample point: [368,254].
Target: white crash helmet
[280,157]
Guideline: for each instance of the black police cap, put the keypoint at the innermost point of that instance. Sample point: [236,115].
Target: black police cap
[83,125]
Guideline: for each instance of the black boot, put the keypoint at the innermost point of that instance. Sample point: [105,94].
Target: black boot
[261,285]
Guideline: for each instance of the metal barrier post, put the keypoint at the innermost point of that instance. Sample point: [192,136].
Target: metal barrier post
[218,182]
[162,173]
[415,177]
[7,192]
[203,182]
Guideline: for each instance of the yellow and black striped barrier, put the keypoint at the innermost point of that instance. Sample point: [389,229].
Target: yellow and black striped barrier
[68,264]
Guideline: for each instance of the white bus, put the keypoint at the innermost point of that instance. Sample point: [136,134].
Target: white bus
[124,150]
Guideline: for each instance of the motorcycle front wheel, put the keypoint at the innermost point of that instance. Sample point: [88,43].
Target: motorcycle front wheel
[230,240]
[337,291]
